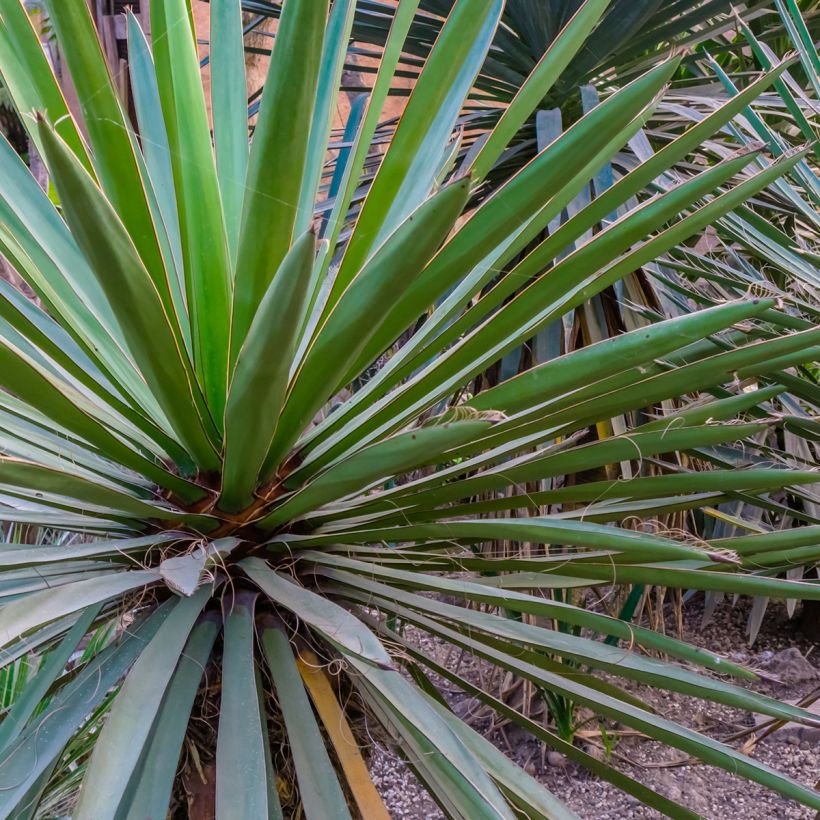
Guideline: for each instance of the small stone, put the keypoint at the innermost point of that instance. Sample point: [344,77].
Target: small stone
[556,759]
[674,793]
[594,751]
[790,666]
[467,708]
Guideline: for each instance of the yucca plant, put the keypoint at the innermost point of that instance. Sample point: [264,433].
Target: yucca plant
[182,395]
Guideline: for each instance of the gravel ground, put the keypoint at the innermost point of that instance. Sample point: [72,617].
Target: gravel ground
[791,664]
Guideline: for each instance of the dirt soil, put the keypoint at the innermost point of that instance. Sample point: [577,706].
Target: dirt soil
[782,652]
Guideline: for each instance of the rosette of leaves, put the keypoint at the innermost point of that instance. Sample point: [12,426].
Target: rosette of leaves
[183,399]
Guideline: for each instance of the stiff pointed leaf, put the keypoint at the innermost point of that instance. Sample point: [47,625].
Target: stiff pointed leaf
[258,388]
[132,296]
[331,65]
[690,575]
[660,486]
[777,540]
[118,748]
[40,245]
[204,244]
[38,478]
[157,158]
[502,632]
[277,160]
[51,339]
[551,296]
[356,317]
[588,364]
[149,794]
[492,222]
[334,623]
[242,781]
[393,456]
[503,225]
[319,787]
[54,399]
[114,149]
[530,310]
[26,613]
[545,74]
[544,530]
[230,112]
[537,730]
[559,459]
[344,184]
[407,173]
[37,555]
[29,78]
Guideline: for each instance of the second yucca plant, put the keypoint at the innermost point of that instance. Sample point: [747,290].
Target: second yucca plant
[180,394]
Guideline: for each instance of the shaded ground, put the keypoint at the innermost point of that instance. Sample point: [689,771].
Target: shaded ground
[777,653]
